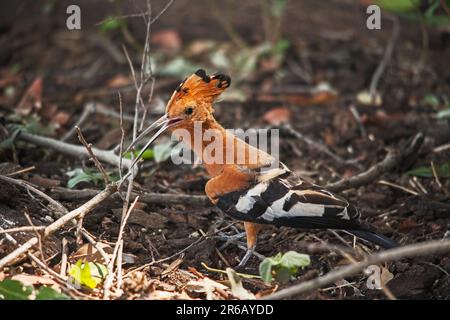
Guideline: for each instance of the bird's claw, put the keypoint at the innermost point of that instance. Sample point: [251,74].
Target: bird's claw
[245,258]
[230,239]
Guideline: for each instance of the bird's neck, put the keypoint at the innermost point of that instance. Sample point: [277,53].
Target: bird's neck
[219,148]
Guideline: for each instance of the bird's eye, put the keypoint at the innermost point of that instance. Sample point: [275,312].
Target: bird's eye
[189,110]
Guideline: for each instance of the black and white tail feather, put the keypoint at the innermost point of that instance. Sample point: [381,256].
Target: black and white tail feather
[275,199]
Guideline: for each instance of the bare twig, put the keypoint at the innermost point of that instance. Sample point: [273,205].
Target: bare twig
[312,143]
[22,229]
[122,136]
[88,110]
[62,210]
[61,279]
[58,224]
[393,158]
[85,208]
[38,235]
[119,268]
[64,251]
[110,278]
[357,117]
[19,251]
[147,197]
[387,183]
[200,239]
[438,181]
[138,15]
[25,170]
[414,250]
[386,57]
[31,188]
[97,163]
[73,150]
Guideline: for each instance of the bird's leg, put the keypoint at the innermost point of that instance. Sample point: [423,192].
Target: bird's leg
[251,229]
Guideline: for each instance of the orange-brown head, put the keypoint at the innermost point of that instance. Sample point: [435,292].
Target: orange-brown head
[193,99]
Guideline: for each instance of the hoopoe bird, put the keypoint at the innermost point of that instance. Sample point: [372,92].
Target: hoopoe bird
[254,192]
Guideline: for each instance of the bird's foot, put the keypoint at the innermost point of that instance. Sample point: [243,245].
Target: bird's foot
[234,239]
[245,258]
[248,253]
[230,239]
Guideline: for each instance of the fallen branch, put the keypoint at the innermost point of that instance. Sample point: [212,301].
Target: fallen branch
[65,194]
[414,250]
[18,252]
[22,229]
[107,156]
[85,208]
[62,279]
[392,159]
[31,188]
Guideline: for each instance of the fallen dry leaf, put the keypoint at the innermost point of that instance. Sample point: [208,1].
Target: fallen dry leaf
[237,288]
[61,118]
[277,116]
[119,81]
[32,280]
[207,286]
[385,276]
[32,99]
[90,253]
[167,39]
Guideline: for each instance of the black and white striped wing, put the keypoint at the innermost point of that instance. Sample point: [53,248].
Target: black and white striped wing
[278,202]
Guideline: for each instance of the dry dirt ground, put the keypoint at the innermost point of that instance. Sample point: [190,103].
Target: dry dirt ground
[328,40]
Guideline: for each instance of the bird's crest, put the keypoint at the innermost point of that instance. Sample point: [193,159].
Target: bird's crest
[200,87]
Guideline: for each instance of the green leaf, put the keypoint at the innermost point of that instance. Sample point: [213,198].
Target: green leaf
[281,46]
[283,275]
[89,274]
[292,259]
[282,266]
[431,100]
[46,293]
[265,270]
[399,5]
[79,175]
[442,171]
[14,290]
[111,23]
[147,155]
[82,177]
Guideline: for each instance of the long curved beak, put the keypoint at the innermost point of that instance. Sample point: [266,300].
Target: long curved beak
[163,123]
